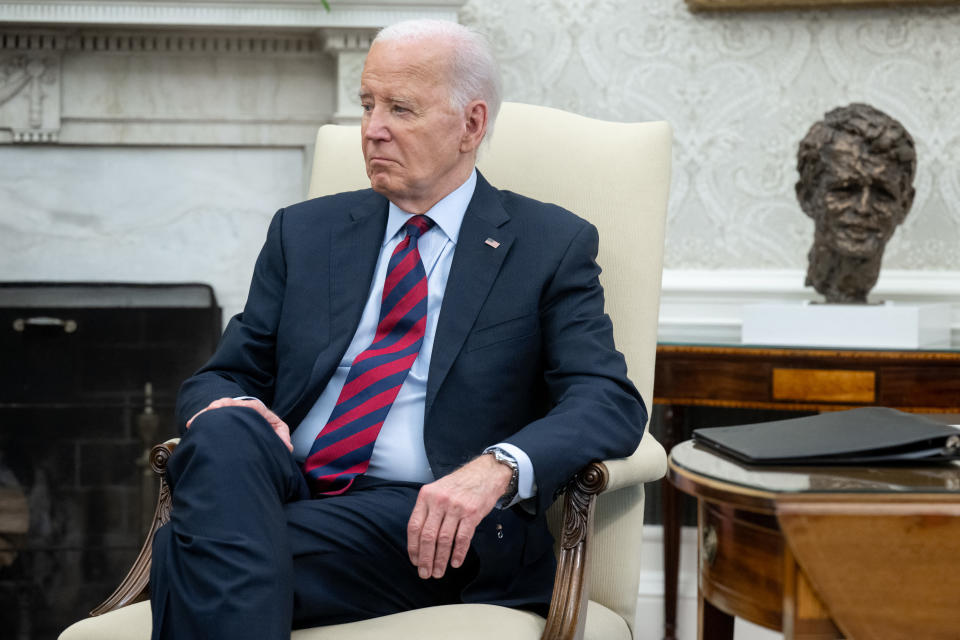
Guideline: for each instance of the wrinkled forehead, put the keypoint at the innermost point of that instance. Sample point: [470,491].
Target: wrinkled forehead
[422,63]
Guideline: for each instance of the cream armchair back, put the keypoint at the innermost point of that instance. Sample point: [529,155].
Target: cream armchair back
[616,176]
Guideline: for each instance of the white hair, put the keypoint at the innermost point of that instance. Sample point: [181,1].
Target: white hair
[474,73]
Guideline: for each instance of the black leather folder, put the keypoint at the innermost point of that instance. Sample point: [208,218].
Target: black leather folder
[869,435]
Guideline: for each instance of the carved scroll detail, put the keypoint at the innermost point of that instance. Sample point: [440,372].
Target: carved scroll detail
[159,456]
[136,586]
[571,589]
[579,497]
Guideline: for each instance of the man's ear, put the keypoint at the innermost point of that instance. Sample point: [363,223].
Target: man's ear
[475,126]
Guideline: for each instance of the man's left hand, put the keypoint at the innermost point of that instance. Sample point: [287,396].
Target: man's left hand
[448,511]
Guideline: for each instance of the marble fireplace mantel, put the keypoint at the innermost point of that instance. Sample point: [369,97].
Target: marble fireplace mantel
[213,73]
[274,14]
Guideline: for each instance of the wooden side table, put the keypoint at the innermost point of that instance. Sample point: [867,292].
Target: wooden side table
[824,552]
[792,379]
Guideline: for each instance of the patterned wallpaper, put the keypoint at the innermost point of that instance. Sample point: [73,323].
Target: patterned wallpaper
[740,91]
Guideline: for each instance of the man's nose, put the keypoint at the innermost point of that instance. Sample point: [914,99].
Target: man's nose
[863,201]
[376,128]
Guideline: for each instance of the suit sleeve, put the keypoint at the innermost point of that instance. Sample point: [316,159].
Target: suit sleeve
[244,363]
[597,413]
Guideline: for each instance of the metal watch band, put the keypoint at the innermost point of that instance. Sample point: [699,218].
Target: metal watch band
[505,458]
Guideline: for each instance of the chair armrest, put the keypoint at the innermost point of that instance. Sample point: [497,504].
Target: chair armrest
[571,589]
[136,586]
[568,604]
[647,464]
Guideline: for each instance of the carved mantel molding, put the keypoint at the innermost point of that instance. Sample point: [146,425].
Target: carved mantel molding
[36,77]
[274,14]
[349,47]
[254,73]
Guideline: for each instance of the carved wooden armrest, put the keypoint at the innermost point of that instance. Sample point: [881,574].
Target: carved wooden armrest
[568,605]
[136,586]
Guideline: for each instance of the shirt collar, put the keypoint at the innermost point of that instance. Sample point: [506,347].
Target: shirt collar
[447,214]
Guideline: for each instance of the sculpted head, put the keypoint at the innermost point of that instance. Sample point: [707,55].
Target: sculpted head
[856,181]
[430,92]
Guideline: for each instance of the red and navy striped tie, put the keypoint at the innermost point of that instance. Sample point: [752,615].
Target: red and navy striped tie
[343,447]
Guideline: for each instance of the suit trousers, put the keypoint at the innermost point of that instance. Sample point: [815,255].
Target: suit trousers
[248,554]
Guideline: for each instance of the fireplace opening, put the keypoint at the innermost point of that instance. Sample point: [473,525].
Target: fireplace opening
[88,380]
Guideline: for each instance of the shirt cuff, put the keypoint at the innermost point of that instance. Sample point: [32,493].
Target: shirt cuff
[526,480]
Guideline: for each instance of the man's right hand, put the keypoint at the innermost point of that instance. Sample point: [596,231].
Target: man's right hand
[279,426]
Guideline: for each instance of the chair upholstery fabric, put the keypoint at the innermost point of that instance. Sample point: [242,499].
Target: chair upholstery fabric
[616,175]
[461,622]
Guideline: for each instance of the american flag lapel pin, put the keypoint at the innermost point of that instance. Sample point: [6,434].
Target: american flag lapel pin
[490,242]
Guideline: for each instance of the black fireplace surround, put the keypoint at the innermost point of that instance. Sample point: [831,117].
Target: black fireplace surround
[88,377]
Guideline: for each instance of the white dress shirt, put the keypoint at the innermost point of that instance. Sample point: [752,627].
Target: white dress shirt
[399,452]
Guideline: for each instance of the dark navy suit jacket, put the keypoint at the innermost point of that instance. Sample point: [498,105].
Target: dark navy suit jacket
[523,352]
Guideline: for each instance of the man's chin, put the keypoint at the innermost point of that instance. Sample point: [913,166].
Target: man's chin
[380,183]
[382,188]
[857,248]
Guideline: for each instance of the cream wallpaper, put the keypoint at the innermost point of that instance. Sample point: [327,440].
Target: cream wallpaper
[740,91]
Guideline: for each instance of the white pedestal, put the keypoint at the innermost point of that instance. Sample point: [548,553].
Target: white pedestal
[889,325]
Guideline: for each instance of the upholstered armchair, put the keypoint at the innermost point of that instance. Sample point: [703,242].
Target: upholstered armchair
[615,175]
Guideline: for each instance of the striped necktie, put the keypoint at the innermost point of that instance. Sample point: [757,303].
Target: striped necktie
[343,447]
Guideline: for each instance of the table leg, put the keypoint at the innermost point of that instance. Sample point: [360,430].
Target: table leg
[712,623]
[673,423]
[805,616]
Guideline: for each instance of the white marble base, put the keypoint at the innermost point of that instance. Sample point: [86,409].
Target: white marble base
[889,325]
[707,306]
[142,214]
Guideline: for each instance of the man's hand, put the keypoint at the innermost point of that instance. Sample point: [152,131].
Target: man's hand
[447,512]
[279,426]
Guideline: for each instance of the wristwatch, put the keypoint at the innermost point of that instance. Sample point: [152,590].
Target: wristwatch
[501,456]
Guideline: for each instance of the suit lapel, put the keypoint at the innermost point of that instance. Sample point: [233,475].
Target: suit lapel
[354,248]
[474,269]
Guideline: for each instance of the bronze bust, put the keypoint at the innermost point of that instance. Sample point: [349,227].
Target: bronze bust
[856,181]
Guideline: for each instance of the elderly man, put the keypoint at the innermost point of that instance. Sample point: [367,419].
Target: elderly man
[418,369]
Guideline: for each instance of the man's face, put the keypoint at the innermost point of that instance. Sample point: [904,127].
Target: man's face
[860,201]
[413,138]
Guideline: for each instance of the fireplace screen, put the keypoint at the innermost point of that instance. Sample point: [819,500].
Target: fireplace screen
[88,379]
